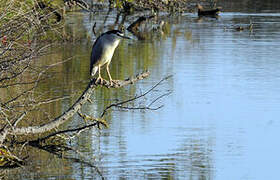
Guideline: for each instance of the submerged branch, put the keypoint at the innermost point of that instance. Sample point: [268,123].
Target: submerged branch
[59,150]
[134,27]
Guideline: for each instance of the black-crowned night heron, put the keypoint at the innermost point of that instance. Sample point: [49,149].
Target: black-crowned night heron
[102,52]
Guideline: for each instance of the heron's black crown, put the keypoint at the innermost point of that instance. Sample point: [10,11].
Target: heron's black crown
[116,32]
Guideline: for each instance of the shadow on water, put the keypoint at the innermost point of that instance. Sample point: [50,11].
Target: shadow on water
[219,123]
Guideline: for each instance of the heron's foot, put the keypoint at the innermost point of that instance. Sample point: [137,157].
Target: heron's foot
[99,80]
[114,82]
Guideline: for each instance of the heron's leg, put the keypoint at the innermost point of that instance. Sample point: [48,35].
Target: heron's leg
[99,75]
[99,72]
[107,68]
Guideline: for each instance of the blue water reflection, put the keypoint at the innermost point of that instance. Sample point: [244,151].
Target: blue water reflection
[221,120]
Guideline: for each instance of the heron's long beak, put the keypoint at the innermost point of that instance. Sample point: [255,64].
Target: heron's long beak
[125,37]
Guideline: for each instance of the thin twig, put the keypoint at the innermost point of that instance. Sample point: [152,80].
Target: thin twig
[161,96]
[136,97]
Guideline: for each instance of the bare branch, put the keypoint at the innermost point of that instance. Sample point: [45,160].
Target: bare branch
[121,83]
[161,96]
[140,108]
[77,130]
[66,115]
[119,104]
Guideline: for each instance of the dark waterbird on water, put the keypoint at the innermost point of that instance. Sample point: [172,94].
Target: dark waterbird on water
[208,12]
[102,52]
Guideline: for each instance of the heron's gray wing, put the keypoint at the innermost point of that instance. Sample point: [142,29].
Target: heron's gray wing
[96,53]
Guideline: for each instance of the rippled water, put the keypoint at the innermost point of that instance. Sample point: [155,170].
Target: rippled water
[221,120]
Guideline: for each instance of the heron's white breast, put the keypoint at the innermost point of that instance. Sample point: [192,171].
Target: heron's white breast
[109,49]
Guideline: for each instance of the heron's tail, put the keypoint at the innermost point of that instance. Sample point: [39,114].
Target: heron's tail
[93,71]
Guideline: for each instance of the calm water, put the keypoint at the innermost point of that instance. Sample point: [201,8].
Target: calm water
[221,120]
